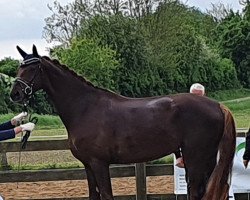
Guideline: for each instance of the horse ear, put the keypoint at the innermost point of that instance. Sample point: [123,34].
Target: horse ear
[22,52]
[35,51]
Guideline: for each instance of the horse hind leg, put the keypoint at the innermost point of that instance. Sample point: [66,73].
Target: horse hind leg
[198,171]
[196,188]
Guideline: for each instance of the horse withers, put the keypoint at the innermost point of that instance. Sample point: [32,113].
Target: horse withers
[106,128]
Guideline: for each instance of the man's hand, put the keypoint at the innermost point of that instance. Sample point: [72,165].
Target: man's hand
[19,118]
[245,162]
[28,126]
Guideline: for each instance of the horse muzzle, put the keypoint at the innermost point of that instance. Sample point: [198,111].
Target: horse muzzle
[17,96]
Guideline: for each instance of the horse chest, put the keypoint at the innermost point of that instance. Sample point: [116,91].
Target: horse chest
[76,148]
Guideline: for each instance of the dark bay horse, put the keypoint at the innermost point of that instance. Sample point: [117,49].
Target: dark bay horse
[106,128]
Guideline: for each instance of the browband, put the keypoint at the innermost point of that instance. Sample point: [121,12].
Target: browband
[29,61]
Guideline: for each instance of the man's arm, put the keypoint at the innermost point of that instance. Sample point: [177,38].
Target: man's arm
[7,134]
[246,155]
[6,126]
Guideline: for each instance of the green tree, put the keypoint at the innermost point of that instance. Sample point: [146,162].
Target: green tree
[8,69]
[91,61]
[217,73]
[234,43]
[182,51]
[161,46]
[174,45]
[123,34]
[65,21]
[5,83]
[9,66]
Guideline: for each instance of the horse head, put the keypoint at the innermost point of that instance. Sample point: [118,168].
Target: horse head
[28,79]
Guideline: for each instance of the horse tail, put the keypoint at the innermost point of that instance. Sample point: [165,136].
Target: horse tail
[217,186]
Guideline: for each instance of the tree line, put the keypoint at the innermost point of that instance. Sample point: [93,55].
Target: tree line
[143,48]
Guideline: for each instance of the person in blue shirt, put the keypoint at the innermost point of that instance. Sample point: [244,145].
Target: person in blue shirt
[10,129]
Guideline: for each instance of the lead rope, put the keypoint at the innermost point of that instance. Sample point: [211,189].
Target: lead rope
[20,149]
[19,160]
[24,138]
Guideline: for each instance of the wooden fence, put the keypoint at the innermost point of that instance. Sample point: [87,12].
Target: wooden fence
[140,171]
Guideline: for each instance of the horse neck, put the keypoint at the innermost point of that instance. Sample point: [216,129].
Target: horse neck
[70,95]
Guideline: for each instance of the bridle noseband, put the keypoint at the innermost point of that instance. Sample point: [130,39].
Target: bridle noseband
[27,87]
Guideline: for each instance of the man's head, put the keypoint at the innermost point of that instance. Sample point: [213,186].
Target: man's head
[197,89]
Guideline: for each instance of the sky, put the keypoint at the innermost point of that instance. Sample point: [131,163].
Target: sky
[22,23]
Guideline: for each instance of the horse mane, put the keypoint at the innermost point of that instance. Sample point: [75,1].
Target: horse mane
[73,73]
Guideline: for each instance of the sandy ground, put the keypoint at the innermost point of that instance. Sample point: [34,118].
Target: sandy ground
[67,189]
[74,188]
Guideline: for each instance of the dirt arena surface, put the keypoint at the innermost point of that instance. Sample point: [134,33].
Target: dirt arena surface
[74,188]
[67,189]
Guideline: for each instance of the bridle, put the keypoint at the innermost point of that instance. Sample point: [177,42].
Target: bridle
[27,87]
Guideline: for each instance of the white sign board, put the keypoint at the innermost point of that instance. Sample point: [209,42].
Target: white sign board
[181,185]
[240,176]
[179,180]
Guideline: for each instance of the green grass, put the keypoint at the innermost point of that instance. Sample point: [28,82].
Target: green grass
[165,160]
[44,121]
[49,132]
[241,112]
[46,166]
[229,94]
[239,107]
[49,122]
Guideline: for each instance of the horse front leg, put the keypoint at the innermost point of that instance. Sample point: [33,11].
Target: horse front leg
[93,189]
[100,170]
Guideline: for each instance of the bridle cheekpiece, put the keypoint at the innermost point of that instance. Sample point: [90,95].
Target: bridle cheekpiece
[27,87]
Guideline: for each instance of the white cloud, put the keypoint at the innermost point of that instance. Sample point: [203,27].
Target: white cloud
[24,19]
[203,5]
[8,47]
[22,24]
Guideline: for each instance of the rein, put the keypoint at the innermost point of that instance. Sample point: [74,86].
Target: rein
[27,89]
[27,134]
[24,139]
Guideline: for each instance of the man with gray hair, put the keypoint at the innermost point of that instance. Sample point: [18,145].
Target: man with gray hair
[197,89]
